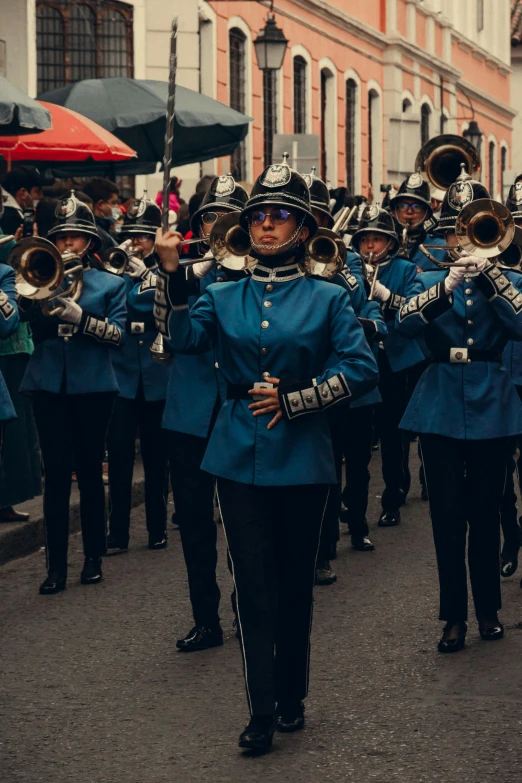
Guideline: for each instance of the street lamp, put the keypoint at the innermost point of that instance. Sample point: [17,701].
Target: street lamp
[473,134]
[270,47]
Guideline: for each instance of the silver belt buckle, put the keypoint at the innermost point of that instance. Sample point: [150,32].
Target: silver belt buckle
[459,356]
[137,327]
[65,330]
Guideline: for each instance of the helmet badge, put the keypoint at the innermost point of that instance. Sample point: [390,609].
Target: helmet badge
[276,176]
[518,193]
[66,208]
[225,186]
[414,181]
[460,194]
[371,212]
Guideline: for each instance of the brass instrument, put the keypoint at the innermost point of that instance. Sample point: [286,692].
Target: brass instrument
[5,240]
[229,244]
[440,159]
[326,252]
[40,271]
[403,250]
[484,228]
[116,260]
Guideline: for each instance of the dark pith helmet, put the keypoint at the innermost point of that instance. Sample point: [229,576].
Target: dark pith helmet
[414,187]
[143,217]
[224,194]
[319,195]
[459,194]
[514,200]
[75,217]
[281,186]
[375,220]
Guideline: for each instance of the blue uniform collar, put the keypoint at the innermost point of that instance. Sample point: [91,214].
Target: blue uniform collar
[277,274]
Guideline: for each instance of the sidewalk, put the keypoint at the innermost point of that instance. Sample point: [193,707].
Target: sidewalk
[18,539]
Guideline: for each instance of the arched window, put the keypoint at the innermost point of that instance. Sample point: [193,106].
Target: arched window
[328,125]
[50,48]
[269,112]
[503,167]
[425,123]
[351,115]
[373,102]
[407,106]
[300,67]
[237,56]
[492,162]
[82,39]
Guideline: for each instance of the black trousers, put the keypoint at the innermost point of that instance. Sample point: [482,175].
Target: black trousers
[465,480]
[273,537]
[127,416]
[508,510]
[193,491]
[395,446]
[72,430]
[352,435]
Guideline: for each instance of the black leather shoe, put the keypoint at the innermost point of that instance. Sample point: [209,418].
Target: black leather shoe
[258,734]
[491,632]
[508,561]
[201,638]
[362,544]
[453,645]
[290,717]
[324,574]
[389,518]
[92,571]
[54,583]
[158,541]
[116,547]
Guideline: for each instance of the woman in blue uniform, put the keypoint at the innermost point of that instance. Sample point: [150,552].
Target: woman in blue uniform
[466,410]
[411,209]
[376,242]
[9,322]
[270,448]
[195,394]
[73,385]
[143,385]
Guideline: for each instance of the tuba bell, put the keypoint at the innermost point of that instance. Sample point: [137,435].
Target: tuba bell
[40,271]
[440,159]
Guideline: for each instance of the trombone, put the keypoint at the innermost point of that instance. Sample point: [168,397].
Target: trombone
[484,228]
[326,253]
[40,271]
[229,243]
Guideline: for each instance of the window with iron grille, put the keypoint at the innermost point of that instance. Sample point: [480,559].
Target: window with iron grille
[372,97]
[492,166]
[237,56]
[269,112]
[503,167]
[425,123]
[300,66]
[82,39]
[351,113]
[323,161]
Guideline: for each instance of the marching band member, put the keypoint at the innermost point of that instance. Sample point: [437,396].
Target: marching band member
[195,394]
[273,333]
[143,386]
[395,281]
[9,322]
[411,209]
[73,386]
[466,409]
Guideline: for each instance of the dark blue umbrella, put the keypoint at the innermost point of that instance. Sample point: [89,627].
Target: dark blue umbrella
[134,110]
[19,113]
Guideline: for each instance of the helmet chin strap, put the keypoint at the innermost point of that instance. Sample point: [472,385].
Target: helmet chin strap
[412,227]
[377,256]
[289,244]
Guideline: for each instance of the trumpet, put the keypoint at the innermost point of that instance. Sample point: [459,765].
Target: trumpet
[402,251]
[40,271]
[229,243]
[326,252]
[115,260]
[484,228]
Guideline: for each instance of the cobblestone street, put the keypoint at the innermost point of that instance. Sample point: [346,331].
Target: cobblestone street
[92,688]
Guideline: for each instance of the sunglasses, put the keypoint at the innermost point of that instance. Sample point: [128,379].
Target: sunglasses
[404,206]
[276,216]
[209,218]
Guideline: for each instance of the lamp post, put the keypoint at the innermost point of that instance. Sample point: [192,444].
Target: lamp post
[270,47]
[474,135]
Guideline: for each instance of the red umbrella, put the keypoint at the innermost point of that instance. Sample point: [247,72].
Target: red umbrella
[72,138]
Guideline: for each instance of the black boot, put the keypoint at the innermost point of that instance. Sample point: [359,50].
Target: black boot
[158,540]
[509,560]
[258,734]
[490,629]
[54,583]
[201,637]
[362,544]
[456,643]
[324,574]
[290,717]
[389,518]
[116,546]
[92,571]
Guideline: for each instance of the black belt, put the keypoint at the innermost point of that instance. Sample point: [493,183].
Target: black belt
[465,356]
[239,391]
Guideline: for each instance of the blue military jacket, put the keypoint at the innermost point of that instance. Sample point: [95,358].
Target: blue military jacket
[371,312]
[9,320]
[133,362]
[285,324]
[421,261]
[76,358]
[472,401]
[196,385]
[399,276]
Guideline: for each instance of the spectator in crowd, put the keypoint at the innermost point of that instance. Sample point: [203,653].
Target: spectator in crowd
[105,198]
[22,189]
[174,197]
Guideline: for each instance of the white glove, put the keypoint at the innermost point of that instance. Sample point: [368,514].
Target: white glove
[203,267]
[126,245]
[476,264]
[71,313]
[137,268]
[455,278]
[381,292]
